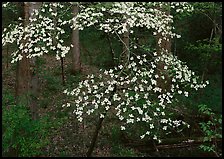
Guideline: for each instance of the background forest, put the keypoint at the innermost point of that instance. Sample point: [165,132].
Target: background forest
[37,123]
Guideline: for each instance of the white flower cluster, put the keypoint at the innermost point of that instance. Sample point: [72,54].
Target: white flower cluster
[36,38]
[132,90]
[5,5]
[181,76]
[181,7]
[137,98]
[117,16]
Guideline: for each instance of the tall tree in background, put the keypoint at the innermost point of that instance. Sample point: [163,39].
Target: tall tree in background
[76,64]
[34,85]
[26,76]
[23,68]
[163,46]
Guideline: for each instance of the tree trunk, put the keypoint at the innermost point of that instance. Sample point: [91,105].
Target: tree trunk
[23,69]
[125,40]
[164,45]
[62,71]
[54,41]
[95,135]
[111,49]
[99,125]
[34,87]
[7,59]
[26,78]
[76,64]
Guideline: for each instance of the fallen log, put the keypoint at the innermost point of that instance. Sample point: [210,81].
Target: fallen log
[145,146]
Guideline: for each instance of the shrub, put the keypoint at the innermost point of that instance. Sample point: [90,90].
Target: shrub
[212,130]
[22,136]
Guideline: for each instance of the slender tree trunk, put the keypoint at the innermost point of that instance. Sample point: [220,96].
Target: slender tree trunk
[76,63]
[111,49]
[54,41]
[98,126]
[7,59]
[95,135]
[62,71]
[125,39]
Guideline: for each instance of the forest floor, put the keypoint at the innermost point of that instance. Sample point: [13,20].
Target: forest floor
[72,138]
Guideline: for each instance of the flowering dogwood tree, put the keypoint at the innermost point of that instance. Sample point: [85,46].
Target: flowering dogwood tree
[131,88]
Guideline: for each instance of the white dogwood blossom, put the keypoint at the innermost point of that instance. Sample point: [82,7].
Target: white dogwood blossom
[132,89]
[36,38]
[132,105]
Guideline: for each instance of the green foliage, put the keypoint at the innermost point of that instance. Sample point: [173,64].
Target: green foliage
[207,54]
[212,129]
[115,134]
[210,96]
[96,49]
[117,149]
[213,92]
[200,45]
[39,63]
[64,154]
[21,134]
[120,151]
[10,13]
[205,110]
[73,80]
[8,98]
[200,53]
[53,83]
[207,7]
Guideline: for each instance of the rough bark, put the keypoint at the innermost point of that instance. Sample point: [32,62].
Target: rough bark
[26,78]
[76,63]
